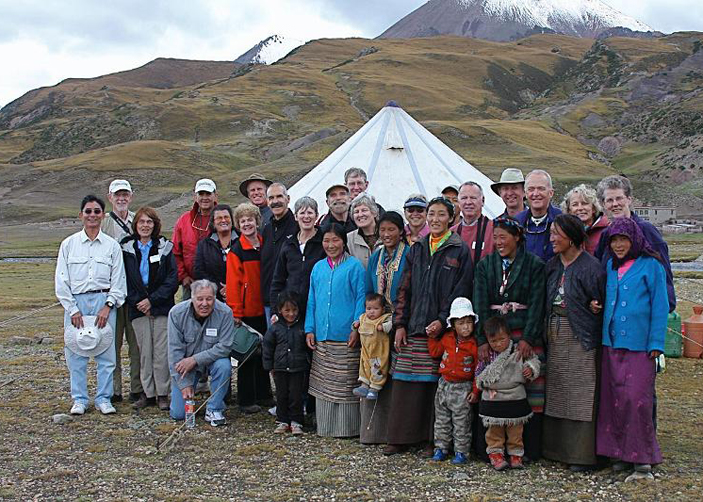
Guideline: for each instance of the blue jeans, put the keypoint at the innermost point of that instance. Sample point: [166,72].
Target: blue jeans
[267,313]
[90,304]
[220,373]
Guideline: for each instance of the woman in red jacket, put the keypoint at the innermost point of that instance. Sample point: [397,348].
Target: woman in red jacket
[244,298]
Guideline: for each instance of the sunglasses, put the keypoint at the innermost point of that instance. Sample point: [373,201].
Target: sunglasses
[92,211]
[415,209]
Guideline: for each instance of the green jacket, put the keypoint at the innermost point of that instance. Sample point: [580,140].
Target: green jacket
[526,285]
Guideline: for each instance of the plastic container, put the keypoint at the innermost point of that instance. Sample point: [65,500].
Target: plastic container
[693,343]
[673,344]
[190,413]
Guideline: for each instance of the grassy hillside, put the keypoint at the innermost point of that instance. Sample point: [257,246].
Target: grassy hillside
[546,101]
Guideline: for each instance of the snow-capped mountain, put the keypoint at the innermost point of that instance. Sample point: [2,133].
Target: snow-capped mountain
[503,20]
[270,50]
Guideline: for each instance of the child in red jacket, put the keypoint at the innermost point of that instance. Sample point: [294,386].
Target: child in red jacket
[455,391]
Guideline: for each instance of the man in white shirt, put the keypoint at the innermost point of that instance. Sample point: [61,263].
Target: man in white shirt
[90,281]
[118,225]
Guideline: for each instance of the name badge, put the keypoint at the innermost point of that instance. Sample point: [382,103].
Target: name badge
[211,332]
[154,259]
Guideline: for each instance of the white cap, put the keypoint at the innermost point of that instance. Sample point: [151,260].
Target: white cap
[205,185]
[88,340]
[118,185]
[461,307]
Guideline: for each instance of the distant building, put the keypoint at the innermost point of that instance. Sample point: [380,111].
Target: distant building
[656,215]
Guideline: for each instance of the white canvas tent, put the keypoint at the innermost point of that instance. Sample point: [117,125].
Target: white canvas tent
[400,157]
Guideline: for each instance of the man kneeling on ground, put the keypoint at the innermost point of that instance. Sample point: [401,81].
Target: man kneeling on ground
[200,338]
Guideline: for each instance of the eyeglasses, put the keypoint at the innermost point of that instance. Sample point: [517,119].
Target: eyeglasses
[192,224]
[92,211]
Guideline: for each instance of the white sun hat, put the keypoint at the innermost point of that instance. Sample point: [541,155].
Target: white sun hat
[89,340]
[461,307]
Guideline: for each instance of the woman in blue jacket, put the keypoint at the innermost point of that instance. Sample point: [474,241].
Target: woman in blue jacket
[634,326]
[335,301]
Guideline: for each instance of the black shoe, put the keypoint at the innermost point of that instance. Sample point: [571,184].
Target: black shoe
[134,397]
[116,398]
[250,410]
[142,402]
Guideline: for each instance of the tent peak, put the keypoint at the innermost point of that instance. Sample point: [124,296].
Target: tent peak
[393,104]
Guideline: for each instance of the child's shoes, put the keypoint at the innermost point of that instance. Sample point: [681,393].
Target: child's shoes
[459,459]
[439,455]
[372,395]
[516,462]
[361,391]
[296,429]
[281,428]
[498,461]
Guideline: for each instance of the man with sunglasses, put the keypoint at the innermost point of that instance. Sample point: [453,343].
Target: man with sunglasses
[190,229]
[90,281]
[118,225]
[538,217]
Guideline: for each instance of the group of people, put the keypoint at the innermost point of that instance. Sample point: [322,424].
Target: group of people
[533,334]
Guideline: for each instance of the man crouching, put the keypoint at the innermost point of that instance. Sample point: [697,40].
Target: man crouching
[200,338]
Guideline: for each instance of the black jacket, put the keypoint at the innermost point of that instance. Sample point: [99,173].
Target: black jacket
[274,234]
[430,284]
[584,281]
[163,276]
[328,219]
[211,261]
[284,348]
[293,268]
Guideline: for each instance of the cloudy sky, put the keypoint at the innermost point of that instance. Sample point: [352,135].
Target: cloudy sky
[45,41]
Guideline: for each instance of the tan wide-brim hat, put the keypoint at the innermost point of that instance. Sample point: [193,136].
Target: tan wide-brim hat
[509,176]
[253,177]
[88,341]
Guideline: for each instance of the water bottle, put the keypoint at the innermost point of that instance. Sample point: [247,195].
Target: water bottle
[190,413]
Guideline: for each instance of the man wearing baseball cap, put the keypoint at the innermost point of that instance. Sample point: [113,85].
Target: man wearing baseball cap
[451,193]
[118,225]
[511,188]
[254,188]
[338,200]
[190,229]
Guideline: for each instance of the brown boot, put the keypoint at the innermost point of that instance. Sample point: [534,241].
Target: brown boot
[163,403]
[394,449]
[142,402]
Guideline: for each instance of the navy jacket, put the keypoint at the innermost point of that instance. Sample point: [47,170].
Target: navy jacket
[284,348]
[658,244]
[274,234]
[537,237]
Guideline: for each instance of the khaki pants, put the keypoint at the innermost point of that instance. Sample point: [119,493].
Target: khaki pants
[152,338]
[124,329]
[373,365]
[496,439]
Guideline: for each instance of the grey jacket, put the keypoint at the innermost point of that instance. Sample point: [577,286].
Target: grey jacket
[504,376]
[206,342]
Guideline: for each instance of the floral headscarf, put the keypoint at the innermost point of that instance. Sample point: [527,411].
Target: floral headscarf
[640,245]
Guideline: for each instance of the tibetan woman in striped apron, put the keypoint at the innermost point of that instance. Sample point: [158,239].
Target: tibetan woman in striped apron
[575,294]
[510,283]
[335,301]
[438,270]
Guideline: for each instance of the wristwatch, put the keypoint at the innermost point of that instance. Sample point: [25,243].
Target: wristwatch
[110,304]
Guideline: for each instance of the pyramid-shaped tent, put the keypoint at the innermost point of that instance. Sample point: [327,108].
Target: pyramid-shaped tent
[400,157]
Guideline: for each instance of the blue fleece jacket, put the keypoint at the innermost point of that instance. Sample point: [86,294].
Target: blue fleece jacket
[636,307]
[335,300]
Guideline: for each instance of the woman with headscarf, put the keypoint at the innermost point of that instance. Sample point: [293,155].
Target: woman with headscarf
[383,276]
[335,301]
[364,240]
[634,327]
[510,283]
[582,201]
[575,282]
[438,270]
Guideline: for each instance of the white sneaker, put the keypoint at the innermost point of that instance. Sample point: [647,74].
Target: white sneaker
[106,408]
[215,418]
[77,408]
[296,429]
